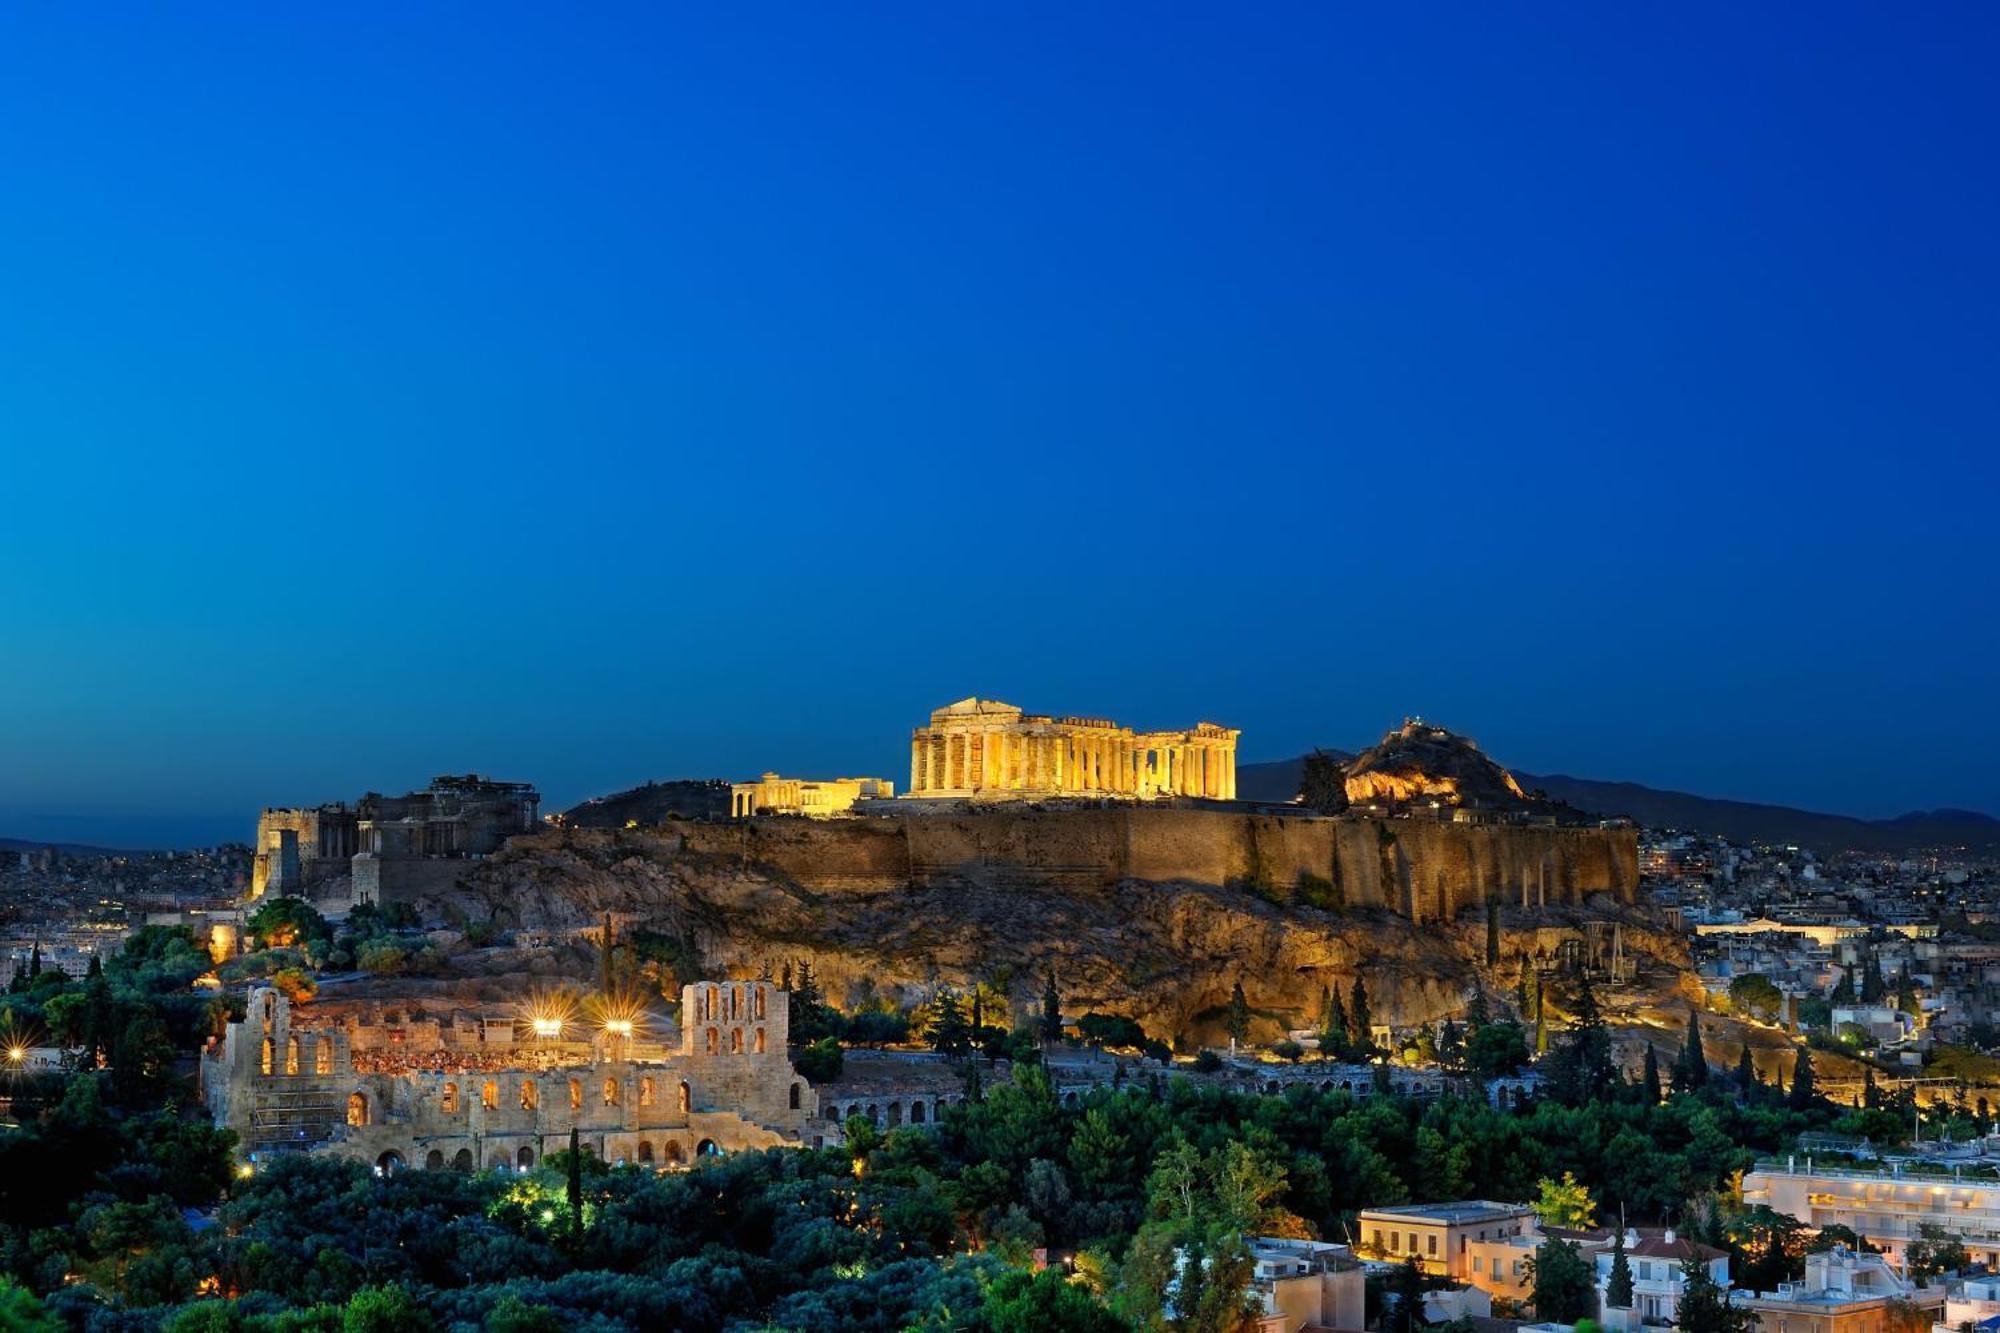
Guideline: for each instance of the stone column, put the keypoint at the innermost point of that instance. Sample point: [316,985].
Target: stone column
[1229,772]
[916,765]
[1211,771]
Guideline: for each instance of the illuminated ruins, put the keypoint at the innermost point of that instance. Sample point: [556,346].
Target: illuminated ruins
[990,750]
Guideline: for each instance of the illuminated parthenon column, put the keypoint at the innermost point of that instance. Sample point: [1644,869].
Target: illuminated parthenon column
[986,749]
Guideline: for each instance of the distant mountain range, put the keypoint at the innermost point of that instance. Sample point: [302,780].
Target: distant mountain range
[1739,821]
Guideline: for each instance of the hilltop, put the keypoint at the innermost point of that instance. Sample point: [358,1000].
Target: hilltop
[1741,821]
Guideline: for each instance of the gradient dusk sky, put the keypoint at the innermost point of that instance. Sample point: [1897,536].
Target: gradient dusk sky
[585,394]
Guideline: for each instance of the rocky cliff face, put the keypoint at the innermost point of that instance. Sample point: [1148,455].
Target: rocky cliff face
[890,910]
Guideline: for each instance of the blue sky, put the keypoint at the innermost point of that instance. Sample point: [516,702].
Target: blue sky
[648,391]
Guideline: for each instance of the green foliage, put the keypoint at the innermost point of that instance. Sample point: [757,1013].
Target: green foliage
[1045,1302]
[1564,1282]
[388,1309]
[1704,1305]
[1618,1286]
[1238,1020]
[1565,1204]
[1110,1030]
[1756,995]
[1288,1050]
[1496,1049]
[1318,891]
[282,922]
[1935,1252]
[820,1062]
[1323,783]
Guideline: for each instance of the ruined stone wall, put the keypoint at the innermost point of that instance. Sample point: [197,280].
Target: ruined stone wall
[383,880]
[1417,868]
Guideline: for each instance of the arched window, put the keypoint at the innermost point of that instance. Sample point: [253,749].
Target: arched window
[291,1055]
[524,1158]
[687,1097]
[462,1160]
[531,1096]
[645,1152]
[450,1099]
[760,1007]
[672,1153]
[734,992]
[736,1041]
[434,1160]
[576,1094]
[270,1011]
[264,1059]
[760,1041]
[611,1092]
[489,1095]
[646,1091]
[357,1108]
[714,1043]
[323,1053]
[916,1113]
[795,1096]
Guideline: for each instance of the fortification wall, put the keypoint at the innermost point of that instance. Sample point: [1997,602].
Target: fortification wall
[1419,869]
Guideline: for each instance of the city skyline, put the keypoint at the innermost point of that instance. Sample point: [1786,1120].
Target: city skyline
[596,398]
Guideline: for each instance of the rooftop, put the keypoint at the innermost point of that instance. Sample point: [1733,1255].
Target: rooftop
[1450,1214]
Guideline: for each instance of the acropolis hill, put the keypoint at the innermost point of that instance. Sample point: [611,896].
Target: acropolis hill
[1147,905]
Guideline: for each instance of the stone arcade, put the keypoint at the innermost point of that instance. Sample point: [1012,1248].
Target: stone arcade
[987,749]
[490,1093]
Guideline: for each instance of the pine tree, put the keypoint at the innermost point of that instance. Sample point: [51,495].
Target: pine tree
[947,1030]
[1618,1289]
[1051,1010]
[1477,1014]
[1803,1093]
[35,960]
[1746,1070]
[1650,1081]
[1360,1025]
[1843,989]
[1239,1015]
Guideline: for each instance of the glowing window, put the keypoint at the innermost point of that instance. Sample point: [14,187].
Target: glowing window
[264,1060]
[531,1097]
[450,1099]
[357,1109]
[645,1092]
[489,1095]
[611,1092]
[291,1055]
[576,1094]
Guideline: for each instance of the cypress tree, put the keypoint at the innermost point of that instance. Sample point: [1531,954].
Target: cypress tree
[1871,1096]
[1618,1289]
[35,960]
[1051,1010]
[1803,1092]
[1746,1070]
[575,1189]
[1693,1070]
[1477,1014]
[1361,1027]
[1239,1014]
[1335,1040]
[1651,1079]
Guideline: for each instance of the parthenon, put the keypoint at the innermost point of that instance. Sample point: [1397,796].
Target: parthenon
[987,749]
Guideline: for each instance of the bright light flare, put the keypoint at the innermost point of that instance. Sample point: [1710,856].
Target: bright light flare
[546,1014]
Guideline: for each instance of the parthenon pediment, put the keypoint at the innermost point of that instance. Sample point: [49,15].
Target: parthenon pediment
[974,706]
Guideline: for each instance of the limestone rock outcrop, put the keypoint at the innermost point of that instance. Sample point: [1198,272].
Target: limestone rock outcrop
[1421,762]
[1154,914]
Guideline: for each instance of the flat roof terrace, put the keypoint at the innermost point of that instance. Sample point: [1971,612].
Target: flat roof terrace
[1450,1214]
